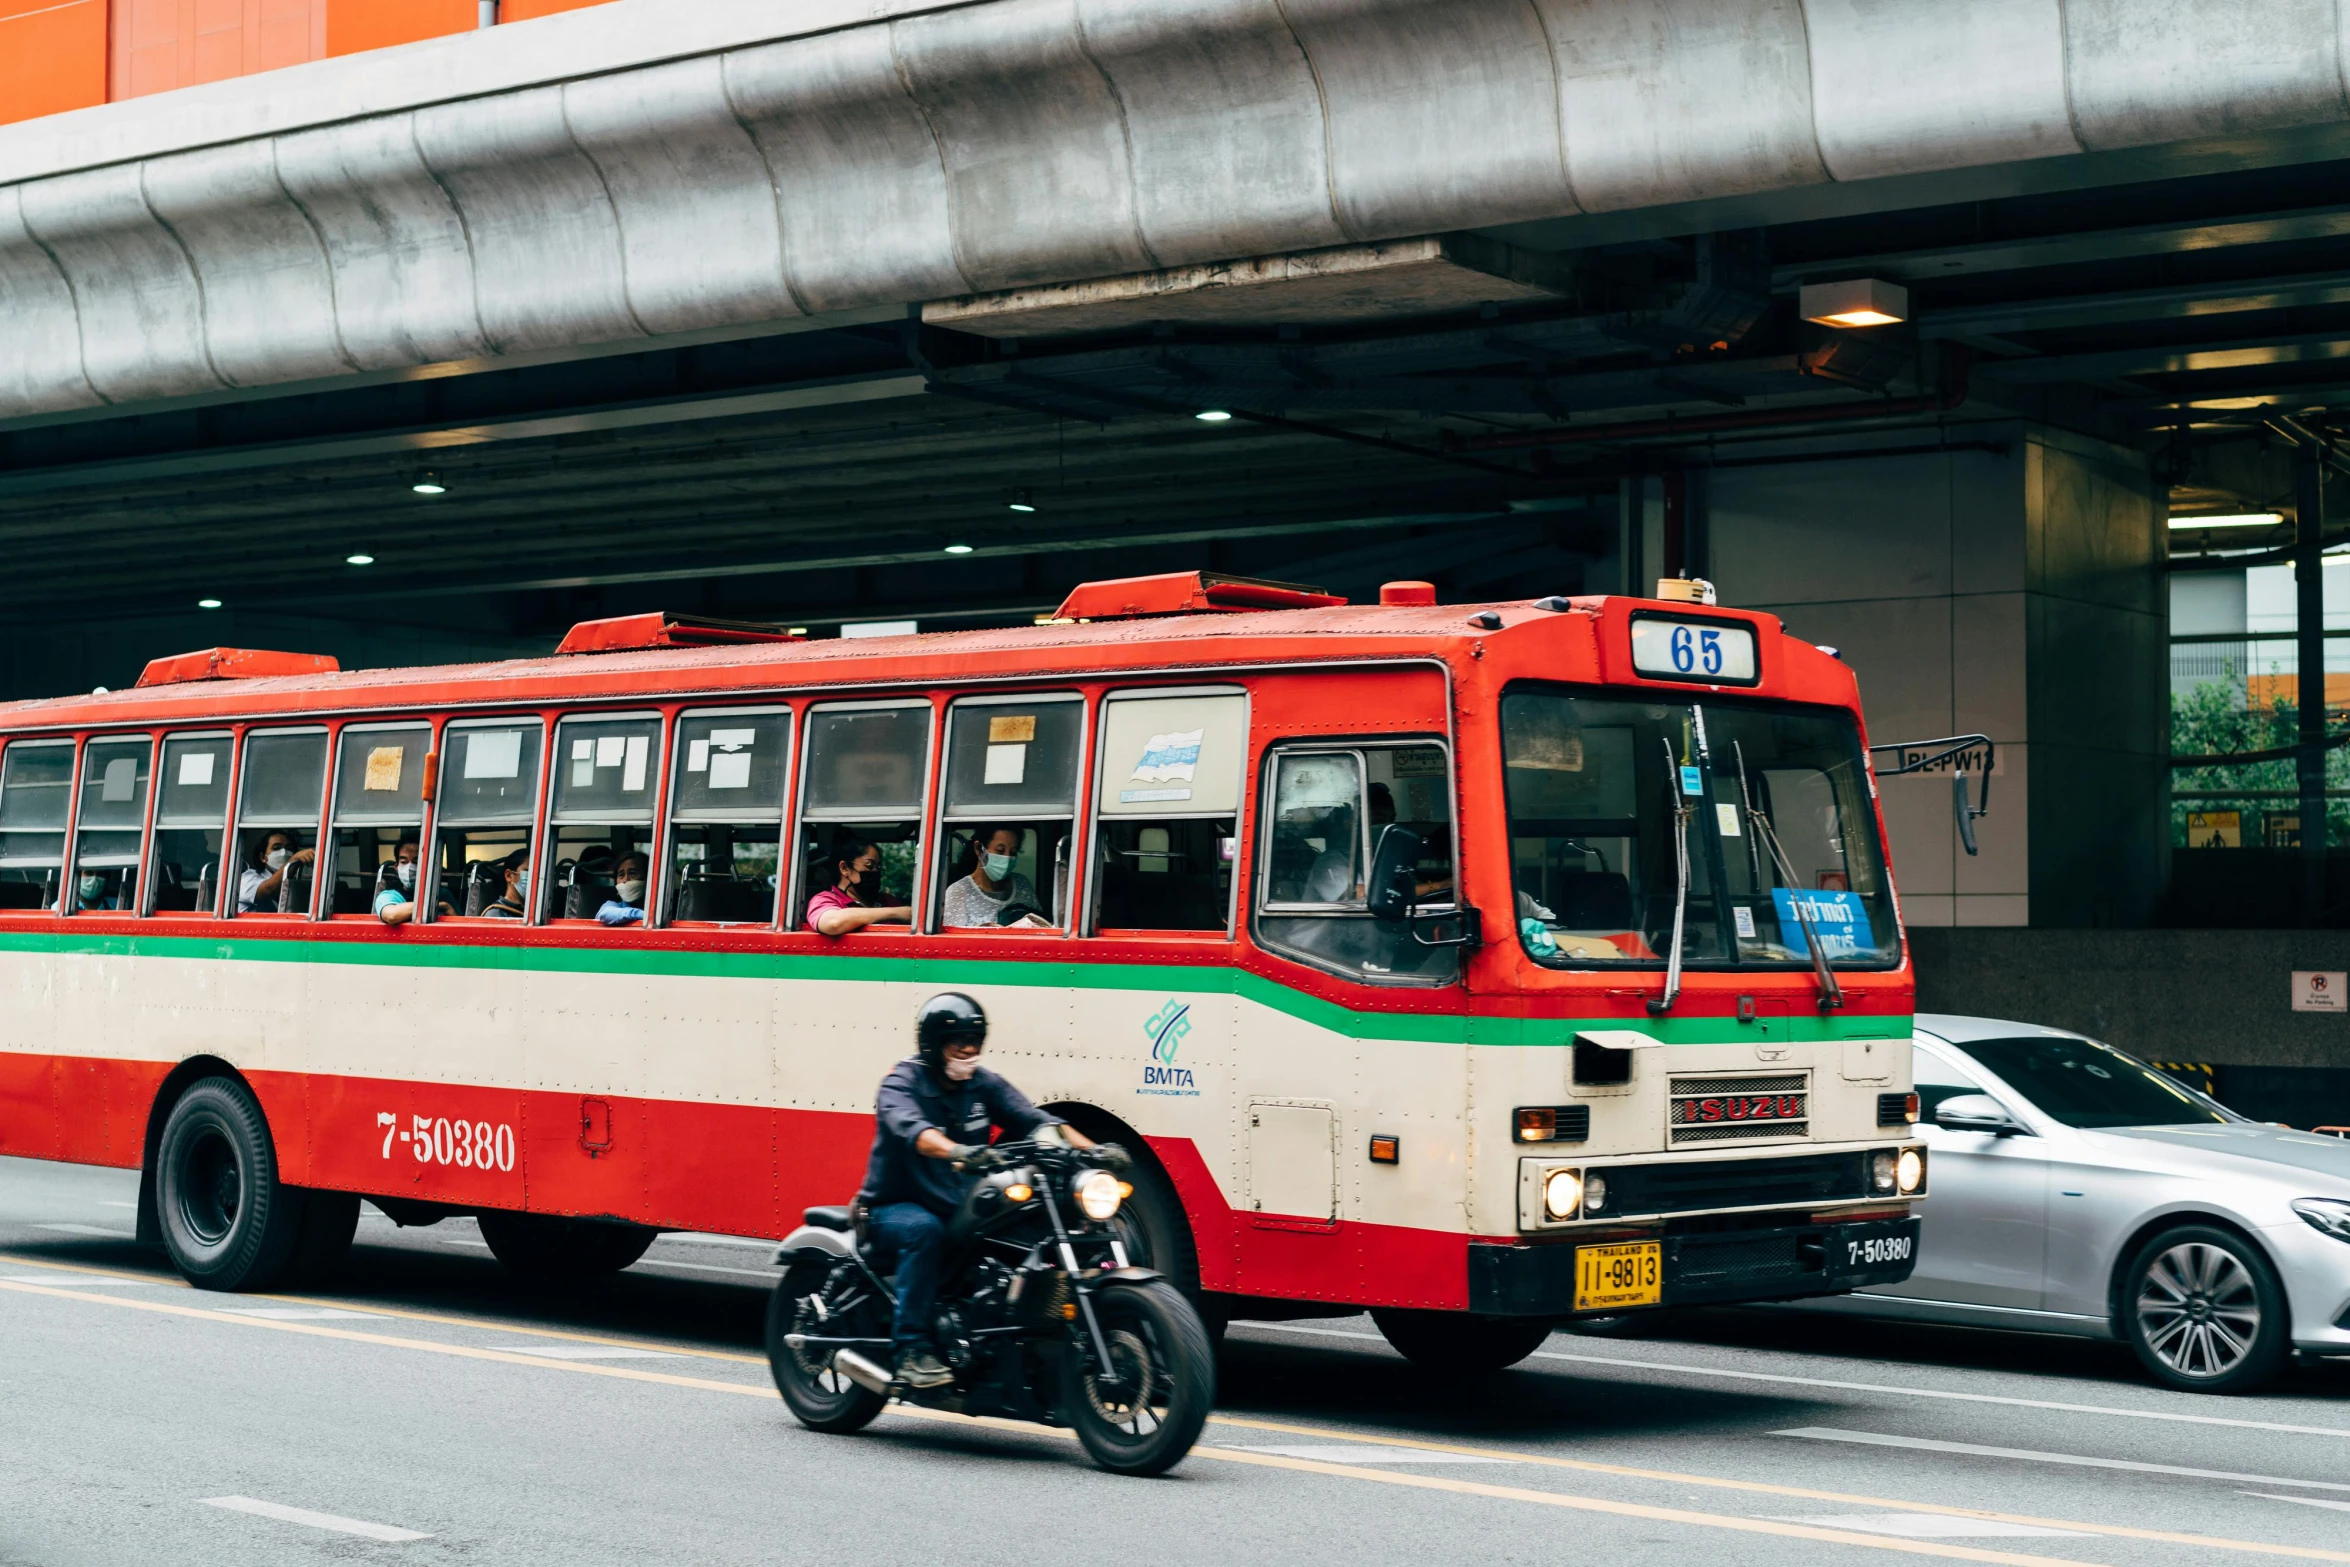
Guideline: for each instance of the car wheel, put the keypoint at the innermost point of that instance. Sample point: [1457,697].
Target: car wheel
[2205,1312]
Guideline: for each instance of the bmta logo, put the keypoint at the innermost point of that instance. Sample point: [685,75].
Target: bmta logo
[1166,1030]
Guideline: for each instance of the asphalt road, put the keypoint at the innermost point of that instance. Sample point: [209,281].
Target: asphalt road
[429,1409]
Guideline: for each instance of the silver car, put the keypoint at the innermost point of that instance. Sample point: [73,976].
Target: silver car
[2078,1190]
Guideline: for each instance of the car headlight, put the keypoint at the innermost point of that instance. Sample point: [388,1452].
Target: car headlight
[1909,1171]
[1097,1193]
[2330,1214]
[1562,1193]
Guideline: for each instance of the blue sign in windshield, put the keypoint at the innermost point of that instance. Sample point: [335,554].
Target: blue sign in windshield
[1840,918]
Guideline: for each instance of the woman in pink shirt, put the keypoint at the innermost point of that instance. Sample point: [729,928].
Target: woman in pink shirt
[843,907]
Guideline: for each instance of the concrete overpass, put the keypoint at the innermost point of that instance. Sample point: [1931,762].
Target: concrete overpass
[761,309]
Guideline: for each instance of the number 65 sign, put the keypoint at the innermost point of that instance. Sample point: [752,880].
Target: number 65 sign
[1710,652]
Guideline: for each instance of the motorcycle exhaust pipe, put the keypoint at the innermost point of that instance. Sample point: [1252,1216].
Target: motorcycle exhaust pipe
[861,1371]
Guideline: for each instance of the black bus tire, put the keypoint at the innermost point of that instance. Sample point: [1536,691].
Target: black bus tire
[1456,1342]
[546,1246]
[228,1222]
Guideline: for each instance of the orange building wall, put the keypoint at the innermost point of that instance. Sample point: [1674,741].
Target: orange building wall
[524,10]
[163,44]
[52,56]
[354,25]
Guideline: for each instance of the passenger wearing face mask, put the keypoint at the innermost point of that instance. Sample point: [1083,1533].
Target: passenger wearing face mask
[626,906]
[854,902]
[91,892]
[515,905]
[395,886]
[977,901]
[278,854]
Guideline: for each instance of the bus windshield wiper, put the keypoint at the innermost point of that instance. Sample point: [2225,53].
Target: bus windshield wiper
[1759,823]
[1682,810]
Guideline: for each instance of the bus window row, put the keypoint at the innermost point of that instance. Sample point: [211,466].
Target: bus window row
[504,821]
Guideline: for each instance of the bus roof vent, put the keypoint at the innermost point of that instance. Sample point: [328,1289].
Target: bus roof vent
[1185,593]
[632,633]
[234,663]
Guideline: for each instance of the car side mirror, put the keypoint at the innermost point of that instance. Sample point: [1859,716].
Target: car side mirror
[1394,882]
[1977,1113]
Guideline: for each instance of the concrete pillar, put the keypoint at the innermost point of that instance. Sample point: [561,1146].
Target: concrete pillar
[2009,586]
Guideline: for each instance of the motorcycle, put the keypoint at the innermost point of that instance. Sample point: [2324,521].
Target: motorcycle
[1040,1315]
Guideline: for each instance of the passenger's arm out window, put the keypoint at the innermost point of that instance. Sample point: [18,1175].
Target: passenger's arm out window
[868,765]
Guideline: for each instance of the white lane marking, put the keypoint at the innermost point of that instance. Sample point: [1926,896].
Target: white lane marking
[2303,1501]
[76,1281]
[583,1352]
[295,1313]
[1718,1373]
[1342,1453]
[1925,1526]
[2073,1460]
[710,1267]
[115,1202]
[303,1515]
[697,1238]
[85,1229]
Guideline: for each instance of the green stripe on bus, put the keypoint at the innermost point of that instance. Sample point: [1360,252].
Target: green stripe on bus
[1213,978]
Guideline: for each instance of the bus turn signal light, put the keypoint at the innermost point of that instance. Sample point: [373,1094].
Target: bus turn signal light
[1386,1148]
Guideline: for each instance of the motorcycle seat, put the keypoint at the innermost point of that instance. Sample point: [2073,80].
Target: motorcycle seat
[837,1218]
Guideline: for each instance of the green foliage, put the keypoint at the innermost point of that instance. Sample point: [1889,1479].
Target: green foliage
[2214,719]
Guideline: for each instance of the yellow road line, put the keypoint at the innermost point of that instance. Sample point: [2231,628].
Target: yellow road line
[1313,1466]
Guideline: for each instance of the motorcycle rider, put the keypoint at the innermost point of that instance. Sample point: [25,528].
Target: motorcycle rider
[935,1114]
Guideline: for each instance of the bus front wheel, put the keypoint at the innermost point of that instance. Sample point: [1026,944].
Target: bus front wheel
[549,1247]
[1455,1341]
[228,1222]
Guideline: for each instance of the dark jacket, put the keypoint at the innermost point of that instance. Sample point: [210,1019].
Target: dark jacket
[913,1101]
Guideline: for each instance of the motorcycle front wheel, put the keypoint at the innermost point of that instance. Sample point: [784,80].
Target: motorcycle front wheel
[818,1392]
[1142,1421]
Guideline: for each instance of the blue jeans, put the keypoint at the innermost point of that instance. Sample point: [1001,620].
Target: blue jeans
[914,1236]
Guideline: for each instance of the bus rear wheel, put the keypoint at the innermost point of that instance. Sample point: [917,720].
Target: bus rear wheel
[545,1246]
[1457,1342]
[228,1222]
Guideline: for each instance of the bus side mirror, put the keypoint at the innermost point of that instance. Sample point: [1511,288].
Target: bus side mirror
[1966,814]
[1394,880]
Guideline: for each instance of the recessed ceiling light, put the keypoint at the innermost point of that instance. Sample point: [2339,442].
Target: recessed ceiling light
[208,603]
[2242,519]
[429,483]
[359,560]
[1023,500]
[1863,301]
[1211,416]
[958,549]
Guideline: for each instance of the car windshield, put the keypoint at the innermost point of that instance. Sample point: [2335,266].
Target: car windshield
[1593,787]
[2083,1083]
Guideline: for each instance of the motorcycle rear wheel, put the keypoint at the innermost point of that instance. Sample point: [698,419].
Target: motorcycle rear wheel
[1147,1421]
[819,1395]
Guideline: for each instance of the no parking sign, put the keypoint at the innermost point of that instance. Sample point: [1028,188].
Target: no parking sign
[2320,992]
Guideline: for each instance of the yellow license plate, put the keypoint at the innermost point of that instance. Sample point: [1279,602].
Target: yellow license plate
[1609,1278]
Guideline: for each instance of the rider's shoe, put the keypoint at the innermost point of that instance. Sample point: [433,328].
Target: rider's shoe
[921,1368]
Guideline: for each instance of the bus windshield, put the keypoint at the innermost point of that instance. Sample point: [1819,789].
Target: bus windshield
[1595,785]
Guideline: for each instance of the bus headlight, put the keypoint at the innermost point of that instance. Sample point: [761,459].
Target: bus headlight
[1882,1172]
[1562,1193]
[1909,1171]
[1097,1193]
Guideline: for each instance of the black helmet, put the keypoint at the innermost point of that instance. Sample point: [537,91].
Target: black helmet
[950,1018]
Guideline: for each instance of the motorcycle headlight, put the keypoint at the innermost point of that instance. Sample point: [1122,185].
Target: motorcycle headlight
[1098,1194]
[2329,1214]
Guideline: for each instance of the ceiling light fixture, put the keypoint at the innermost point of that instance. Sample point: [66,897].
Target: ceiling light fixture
[208,603]
[1211,416]
[958,549]
[359,560]
[1864,301]
[1022,500]
[429,483]
[2240,519]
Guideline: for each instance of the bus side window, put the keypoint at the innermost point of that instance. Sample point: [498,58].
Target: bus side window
[112,822]
[867,764]
[1010,792]
[191,815]
[488,796]
[1167,810]
[280,794]
[607,776]
[379,804]
[1328,811]
[36,785]
[726,816]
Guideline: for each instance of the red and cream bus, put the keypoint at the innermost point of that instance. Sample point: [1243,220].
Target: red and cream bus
[1477,964]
